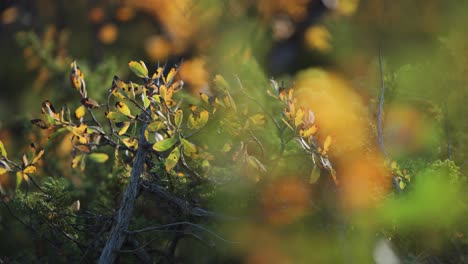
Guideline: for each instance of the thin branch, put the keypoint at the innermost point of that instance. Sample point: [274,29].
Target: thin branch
[154,228]
[381,105]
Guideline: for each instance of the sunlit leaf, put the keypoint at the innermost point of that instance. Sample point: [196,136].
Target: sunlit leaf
[157,74]
[165,144]
[30,169]
[139,68]
[227,147]
[124,128]
[314,175]
[80,112]
[221,83]
[170,76]
[130,142]
[309,131]
[172,159]
[76,160]
[258,119]
[3,151]
[123,108]
[98,157]
[38,156]
[178,117]
[203,118]
[204,98]
[19,178]
[189,147]
[116,117]
[155,126]
[326,145]
[299,119]
[144,98]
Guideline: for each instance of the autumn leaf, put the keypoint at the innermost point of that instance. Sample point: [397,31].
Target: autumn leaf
[124,109]
[124,128]
[155,126]
[172,159]
[178,117]
[38,156]
[30,169]
[3,151]
[139,68]
[326,145]
[116,117]
[80,112]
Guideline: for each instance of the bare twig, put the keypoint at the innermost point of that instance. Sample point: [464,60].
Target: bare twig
[381,105]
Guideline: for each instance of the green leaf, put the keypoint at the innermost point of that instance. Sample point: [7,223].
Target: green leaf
[164,144]
[98,157]
[144,98]
[116,117]
[3,151]
[189,147]
[314,175]
[172,159]
[139,68]
[19,179]
[178,117]
[155,126]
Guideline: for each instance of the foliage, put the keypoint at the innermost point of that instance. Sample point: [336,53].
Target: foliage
[206,159]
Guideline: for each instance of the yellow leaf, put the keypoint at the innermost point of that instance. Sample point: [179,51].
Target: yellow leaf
[139,68]
[258,119]
[299,119]
[3,151]
[116,117]
[130,143]
[221,83]
[170,76]
[172,159]
[38,156]
[326,145]
[157,74]
[76,160]
[309,131]
[155,126]
[123,108]
[205,98]
[124,128]
[178,117]
[98,157]
[30,169]
[203,118]
[80,112]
